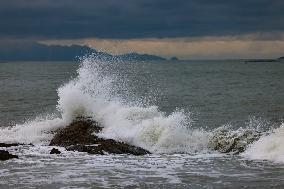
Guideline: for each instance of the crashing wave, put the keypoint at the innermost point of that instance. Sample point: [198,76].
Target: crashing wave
[94,93]
[235,141]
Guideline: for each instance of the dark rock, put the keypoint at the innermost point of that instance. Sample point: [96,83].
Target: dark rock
[78,132]
[5,155]
[79,136]
[55,151]
[9,145]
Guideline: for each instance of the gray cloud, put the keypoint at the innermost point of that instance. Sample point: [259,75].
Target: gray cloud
[63,19]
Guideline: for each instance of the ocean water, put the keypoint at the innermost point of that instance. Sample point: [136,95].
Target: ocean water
[173,109]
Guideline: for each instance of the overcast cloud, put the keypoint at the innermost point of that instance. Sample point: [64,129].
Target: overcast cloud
[65,19]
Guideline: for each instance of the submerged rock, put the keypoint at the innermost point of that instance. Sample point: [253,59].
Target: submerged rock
[5,155]
[80,136]
[9,145]
[108,146]
[55,151]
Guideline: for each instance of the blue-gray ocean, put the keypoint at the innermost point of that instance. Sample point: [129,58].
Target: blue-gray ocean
[173,109]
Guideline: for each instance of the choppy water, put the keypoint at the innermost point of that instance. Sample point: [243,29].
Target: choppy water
[172,109]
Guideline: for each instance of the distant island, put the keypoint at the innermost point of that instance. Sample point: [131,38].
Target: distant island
[42,52]
[174,58]
[263,60]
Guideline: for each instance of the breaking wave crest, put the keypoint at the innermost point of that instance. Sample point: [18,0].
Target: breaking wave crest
[101,92]
[268,147]
[94,94]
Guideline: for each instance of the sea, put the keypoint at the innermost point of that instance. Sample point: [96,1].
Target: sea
[177,110]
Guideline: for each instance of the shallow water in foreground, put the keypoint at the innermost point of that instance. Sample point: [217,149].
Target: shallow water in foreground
[191,101]
[36,168]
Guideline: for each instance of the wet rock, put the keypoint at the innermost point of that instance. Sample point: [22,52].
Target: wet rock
[78,132]
[80,136]
[55,151]
[5,155]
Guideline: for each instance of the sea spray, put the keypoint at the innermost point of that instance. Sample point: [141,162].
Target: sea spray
[227,140]
[94,94]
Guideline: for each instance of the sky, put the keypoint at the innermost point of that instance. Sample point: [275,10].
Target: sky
[188,29]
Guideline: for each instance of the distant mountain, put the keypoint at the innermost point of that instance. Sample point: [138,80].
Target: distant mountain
[281,58]
[139,57]
[36,51]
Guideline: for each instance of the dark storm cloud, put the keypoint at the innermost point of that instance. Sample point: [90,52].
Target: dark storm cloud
[59,19]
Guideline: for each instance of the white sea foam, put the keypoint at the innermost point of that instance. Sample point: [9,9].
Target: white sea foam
[268,147]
